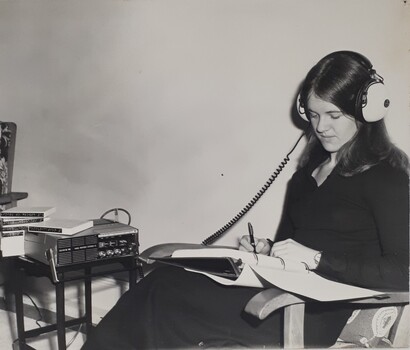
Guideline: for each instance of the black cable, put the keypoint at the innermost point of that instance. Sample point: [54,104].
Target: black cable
[212,238]
[74,336]
[37,309]
[116,210]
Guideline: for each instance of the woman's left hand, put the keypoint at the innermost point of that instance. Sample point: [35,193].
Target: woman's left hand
[292,250]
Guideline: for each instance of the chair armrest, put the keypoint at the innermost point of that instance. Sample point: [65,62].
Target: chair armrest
[12,197]
[270,300]
[389,298]
[164,250]
[161,251]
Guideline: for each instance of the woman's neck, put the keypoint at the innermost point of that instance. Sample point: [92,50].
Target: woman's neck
[321,173]
[333,159]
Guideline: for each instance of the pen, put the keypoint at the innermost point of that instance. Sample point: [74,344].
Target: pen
[252,238]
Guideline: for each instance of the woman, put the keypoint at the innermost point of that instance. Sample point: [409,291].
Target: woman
[346,216]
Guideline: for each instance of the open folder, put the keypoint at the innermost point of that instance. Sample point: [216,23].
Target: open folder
[233,267]
[219,266]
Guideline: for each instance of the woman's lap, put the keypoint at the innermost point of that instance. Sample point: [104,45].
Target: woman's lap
[173,308]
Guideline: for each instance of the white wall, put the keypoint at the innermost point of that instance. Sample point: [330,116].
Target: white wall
[177,110]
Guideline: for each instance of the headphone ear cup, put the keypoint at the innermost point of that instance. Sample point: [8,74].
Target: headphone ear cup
[372,102]
[301,109]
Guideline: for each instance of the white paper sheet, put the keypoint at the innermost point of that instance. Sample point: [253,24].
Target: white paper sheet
[268,271]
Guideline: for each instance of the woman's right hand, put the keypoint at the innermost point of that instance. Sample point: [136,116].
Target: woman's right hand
[262,245]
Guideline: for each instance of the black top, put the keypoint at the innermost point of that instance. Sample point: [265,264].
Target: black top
[360,223]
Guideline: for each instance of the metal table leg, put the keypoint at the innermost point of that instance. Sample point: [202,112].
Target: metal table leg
[88,303]
[20,310]
[60,304]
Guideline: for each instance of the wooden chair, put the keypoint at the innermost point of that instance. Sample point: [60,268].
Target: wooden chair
[274,299]
[271,300]
[8,198]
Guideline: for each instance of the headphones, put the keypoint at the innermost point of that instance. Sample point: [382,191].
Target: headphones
[372,102]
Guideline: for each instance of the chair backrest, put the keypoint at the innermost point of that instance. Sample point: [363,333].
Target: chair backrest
[7,148]
[8,198]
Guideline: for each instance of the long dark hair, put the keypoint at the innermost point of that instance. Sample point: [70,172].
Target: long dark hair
[338,78]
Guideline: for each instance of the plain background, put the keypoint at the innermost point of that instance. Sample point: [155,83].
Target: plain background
[177,110]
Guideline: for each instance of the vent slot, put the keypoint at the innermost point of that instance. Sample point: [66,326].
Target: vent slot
[63,243]
[78,256]
[91,254]
[64,258]
[77,241]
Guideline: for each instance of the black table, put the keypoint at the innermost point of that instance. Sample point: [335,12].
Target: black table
[59,276]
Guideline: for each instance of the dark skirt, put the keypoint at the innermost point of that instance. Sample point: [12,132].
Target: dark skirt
[175,309]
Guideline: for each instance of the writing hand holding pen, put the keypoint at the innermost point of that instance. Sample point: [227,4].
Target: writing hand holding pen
[261,246]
